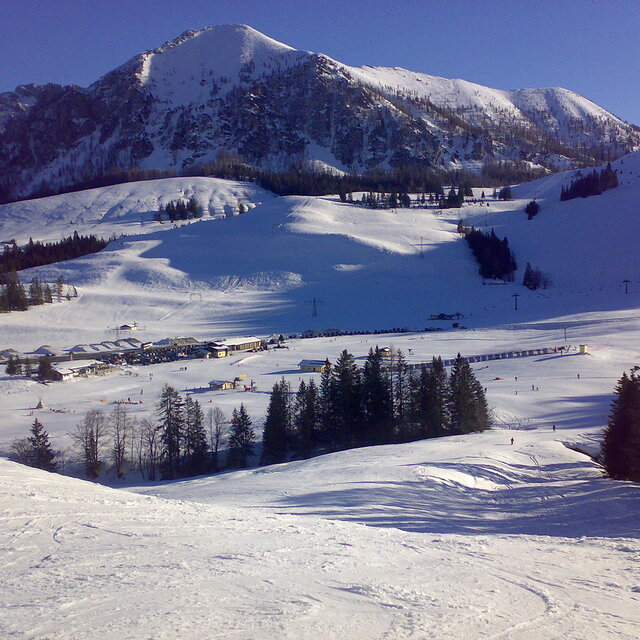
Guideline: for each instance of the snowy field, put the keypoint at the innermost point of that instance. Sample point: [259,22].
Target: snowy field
[457,538]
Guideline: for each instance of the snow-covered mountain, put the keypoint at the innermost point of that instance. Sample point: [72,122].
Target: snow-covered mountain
[232,88]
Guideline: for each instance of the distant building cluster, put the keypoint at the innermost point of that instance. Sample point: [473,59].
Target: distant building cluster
[100,357]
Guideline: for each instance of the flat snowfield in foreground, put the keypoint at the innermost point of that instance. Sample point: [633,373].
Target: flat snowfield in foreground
[458,538]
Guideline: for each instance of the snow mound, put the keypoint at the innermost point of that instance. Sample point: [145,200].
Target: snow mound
[454,477]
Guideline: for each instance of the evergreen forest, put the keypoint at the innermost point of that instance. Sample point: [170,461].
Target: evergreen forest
[381,403]
[37,254]
[592,184]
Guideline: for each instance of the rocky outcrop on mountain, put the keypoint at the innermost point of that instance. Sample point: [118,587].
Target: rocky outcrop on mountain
[231,88]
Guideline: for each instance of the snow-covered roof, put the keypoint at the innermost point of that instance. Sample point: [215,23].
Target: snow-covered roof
[234,342]
[66,368]
[127,345]
[183,342]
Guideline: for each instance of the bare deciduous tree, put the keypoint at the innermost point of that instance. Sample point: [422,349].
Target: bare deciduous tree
[120,428]
[217,422]
[148,448]
[90,438]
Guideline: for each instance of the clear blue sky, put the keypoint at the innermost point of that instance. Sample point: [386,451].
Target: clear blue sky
[589,46]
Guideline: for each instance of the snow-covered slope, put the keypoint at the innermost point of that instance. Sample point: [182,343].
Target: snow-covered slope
[461,538]
[260,271]
[121,209]
[223,54]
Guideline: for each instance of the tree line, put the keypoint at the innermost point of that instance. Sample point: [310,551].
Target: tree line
[36,254]
[14,296]
[181,441]
[592,184]
[351,407]
[377,404]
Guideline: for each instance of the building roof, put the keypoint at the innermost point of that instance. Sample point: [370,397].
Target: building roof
[311,363]
[45,349]
[184,342]
[127,344]
[68,368]
[220,382]
[235,342]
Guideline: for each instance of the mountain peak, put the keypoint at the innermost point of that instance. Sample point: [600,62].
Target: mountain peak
[174,71]
[226,37]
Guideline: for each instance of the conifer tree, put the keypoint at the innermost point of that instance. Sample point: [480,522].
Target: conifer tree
[467,404]
[40,454]
[35,292]
[435,410]
[171,426]
[241,438]
[621,443]
[325,410]
[275,434]
[401,394]
[12,368]
[377,425]
[345,402]
[305,419]
[195,440]
[45,368]
[532,209]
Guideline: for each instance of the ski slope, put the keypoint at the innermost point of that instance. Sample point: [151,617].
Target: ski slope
[463,537]
[459,538]
[259,272]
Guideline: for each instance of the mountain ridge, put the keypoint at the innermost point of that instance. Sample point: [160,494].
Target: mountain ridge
[231,88]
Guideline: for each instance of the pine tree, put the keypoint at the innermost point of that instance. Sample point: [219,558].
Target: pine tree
[401,389]
[45,368]
[59,287]
[195,439]
[275,434]
[171,427]
[435,409]
[305,420]
[325,409]
[377,404]
[241,438]
[532,209]
[345,404]
[35,291]
[467,404]
[39,448]
[12,368]
[621,443]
